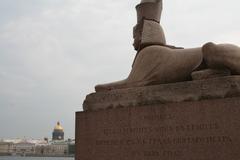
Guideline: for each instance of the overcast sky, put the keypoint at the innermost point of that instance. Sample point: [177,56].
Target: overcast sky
[53,52]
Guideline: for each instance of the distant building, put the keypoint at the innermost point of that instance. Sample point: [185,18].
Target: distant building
[24,148]
[20,147]
[71,147]
[40,148]
[52,150]
[56,148]
[59,148]
[58,133]
[6,148]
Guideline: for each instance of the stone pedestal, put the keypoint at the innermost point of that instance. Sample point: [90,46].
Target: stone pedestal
[162,122]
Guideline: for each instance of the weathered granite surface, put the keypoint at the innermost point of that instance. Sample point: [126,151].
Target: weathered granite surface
[195,130]
[222,87]
[210,73]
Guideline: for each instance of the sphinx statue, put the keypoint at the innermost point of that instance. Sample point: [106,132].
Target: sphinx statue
[157,62]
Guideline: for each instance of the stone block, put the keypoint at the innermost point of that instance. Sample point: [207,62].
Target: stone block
[194,130]
[213,88]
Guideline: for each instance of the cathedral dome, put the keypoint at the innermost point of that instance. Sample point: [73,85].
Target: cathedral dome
[58,133]
[58,127]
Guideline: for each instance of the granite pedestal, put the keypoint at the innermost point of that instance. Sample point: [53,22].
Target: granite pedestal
[195,120]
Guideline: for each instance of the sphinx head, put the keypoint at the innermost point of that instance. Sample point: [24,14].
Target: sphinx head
[148,30]
[148,33]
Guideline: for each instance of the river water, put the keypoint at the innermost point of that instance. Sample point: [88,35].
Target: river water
[35,158]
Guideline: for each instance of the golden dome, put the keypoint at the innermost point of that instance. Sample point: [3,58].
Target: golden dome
[58,127]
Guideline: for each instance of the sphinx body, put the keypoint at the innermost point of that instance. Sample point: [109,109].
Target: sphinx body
[157,62]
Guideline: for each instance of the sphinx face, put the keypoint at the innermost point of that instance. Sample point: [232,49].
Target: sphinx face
[136,37]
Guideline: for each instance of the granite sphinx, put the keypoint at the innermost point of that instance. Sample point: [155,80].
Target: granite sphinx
[157,62]
[176,103]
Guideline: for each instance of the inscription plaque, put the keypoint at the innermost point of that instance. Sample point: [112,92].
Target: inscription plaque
[200,130]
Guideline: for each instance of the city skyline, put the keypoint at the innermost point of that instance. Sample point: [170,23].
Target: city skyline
[50,136]
[53,53]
